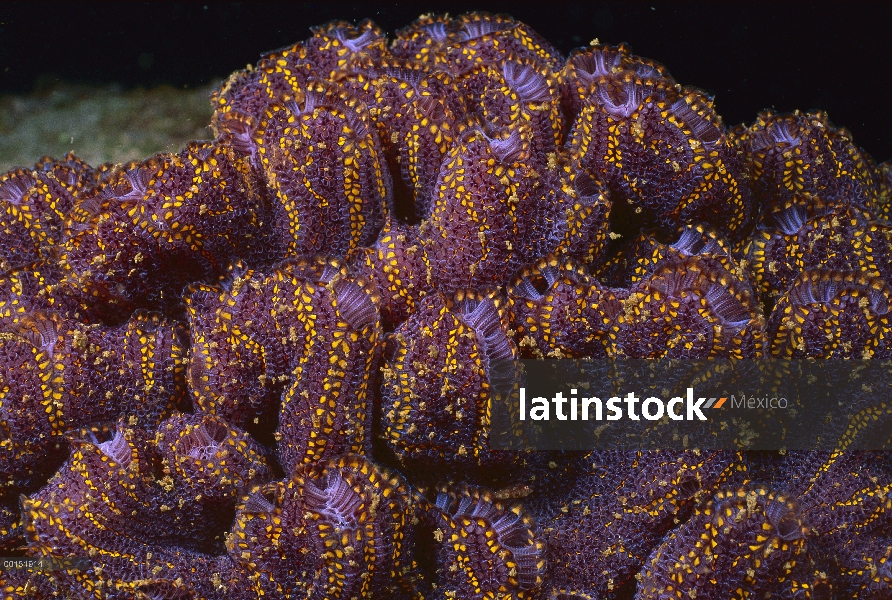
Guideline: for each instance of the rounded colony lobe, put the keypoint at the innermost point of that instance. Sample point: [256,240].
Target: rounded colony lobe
[441,370]
[480,546]
[300,343]
[322,160]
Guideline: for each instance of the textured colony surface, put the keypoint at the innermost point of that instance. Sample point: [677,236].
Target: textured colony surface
[480,546]
[57,375]
[300,344]
[437,382]
[619,507]
[741,538]
[263,366]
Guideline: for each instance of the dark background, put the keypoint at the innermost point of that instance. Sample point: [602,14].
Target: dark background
[751,56]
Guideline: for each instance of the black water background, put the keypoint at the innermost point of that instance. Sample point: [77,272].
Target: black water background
[750,55]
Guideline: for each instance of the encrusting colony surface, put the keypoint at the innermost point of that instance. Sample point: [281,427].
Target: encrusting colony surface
[259,367]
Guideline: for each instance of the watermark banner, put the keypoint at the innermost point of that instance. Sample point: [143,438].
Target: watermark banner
[764,404]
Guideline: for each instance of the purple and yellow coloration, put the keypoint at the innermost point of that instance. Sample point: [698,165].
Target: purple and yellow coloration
[479,198]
